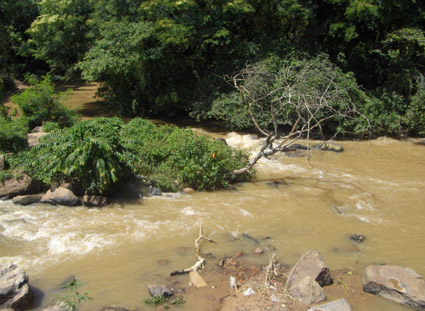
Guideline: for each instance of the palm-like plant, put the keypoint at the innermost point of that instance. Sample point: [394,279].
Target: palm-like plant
[91,153]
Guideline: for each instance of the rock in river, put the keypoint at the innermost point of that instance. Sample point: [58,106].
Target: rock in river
[95,201]
[12,187]
[61,196]
[15,292]
[398,284]
[160,290]
[27,199]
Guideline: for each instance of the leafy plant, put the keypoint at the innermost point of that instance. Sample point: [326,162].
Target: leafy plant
[74,297]
[91,153]
[39,103]
[155,300]
[13,134]
[175,158]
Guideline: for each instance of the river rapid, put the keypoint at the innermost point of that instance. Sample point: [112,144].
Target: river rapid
[376,188]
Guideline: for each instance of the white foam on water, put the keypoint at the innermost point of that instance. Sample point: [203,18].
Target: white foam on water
[76,243]
[189,211]
[245,212]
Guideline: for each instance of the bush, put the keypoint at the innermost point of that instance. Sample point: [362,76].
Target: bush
[90,153]
[13,134]
[39,103]
[176,158]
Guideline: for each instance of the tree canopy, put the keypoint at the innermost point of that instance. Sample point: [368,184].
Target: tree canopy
[171,57]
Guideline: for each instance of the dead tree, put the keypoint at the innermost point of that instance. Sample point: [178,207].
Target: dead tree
[301,95]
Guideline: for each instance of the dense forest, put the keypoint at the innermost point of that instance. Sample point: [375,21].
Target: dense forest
[164,57]
[339,66]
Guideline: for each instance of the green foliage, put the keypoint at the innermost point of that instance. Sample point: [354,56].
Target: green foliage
[91,153]
[155,300]
[13,134]
[51,126]
[39,103]
[59,34]
[415,115]
[74,297]
[176,158]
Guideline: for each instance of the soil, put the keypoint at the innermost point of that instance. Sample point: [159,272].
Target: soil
[219,296]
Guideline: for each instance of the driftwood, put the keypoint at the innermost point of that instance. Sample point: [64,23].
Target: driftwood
[193,270]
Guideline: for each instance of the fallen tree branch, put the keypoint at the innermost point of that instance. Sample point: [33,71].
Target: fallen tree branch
[200,263]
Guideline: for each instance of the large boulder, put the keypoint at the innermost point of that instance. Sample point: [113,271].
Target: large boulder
[27,199]
[15,292]
[307,291]
[61,196]
[33,139]
[95,201]
[12,187]
[307,276]
[336,305]
[398,284]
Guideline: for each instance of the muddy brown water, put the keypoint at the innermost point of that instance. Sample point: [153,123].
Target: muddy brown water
[376,188]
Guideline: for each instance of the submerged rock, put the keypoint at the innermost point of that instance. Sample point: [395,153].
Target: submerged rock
[160,290]
[329,147]
[398,284]
[15,292]
[27,199]
[336,305]
[95,201]
[61,196]
[358,238]
[154,192]
[307,276]
[188,191]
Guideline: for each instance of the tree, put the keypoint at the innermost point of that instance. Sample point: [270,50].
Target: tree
[302,96]
[59,34]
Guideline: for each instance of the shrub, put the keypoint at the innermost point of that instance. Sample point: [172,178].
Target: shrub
[39,103]
[169,154]
[91,153]
[13,134]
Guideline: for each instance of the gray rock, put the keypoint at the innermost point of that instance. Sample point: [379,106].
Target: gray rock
[2,164]
[12,187]
[160,290]
[307,276]
[328,146]
[61,196]
[113,308]
[56,306]
[312,264]
[95,201]
[154,191]
[307,291]
[27,199]
[358,238]
[398,284]
[15,292]
[33,139]
[336,305]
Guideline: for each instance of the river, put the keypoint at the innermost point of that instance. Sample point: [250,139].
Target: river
[376,188]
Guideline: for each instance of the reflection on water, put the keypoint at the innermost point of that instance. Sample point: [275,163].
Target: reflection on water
[374,188]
